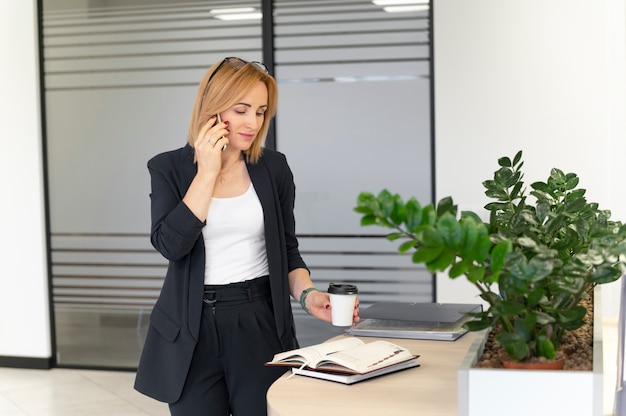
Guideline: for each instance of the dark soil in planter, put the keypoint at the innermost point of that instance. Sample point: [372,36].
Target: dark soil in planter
[576,346]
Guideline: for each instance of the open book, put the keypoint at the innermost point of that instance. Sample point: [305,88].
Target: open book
[347,360]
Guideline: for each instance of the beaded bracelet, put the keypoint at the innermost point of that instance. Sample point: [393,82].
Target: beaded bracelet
[303,296]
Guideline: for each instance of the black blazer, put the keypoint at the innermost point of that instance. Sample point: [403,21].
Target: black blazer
[177,234]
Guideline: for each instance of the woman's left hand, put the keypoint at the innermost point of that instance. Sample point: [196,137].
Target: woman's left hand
[318,303]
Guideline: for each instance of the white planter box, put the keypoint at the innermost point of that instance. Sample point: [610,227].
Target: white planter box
[497,392]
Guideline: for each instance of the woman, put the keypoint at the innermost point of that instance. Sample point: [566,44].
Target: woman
[222,214]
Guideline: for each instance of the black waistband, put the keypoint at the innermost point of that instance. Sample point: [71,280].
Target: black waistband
[248,290]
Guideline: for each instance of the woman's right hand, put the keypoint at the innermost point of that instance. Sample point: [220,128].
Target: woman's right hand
[209,145]
[208,150]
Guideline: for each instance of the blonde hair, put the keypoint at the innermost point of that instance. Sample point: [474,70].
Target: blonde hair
[225,89]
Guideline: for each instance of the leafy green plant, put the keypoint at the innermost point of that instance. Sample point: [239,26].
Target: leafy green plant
[532,262]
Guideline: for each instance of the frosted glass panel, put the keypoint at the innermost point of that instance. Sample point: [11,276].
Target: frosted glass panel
[344,138]
[121,77]
[353,115]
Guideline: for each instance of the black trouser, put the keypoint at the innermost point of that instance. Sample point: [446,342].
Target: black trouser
[237,336]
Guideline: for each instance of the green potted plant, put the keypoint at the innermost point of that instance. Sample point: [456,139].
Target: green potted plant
[532,262]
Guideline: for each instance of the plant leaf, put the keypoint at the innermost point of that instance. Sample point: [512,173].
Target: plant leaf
[458,269]
[475,273]
[508,308]
[413,211]
[446,205]
[450,230]
[477,325]
[398,213]
[386,201]
[426,254]
[368,220]
[406,246]
[483,244]
[442,262]
[394,236]
[572,318]
[514,345]
[429,216]
[498,255]
[505,162]
[606,274]
[545,347]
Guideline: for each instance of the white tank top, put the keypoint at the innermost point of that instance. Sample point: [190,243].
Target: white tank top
[234,240]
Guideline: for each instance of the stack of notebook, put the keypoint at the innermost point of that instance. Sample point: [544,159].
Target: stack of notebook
[436,321]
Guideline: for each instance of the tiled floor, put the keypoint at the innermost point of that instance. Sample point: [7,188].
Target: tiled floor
[64,392]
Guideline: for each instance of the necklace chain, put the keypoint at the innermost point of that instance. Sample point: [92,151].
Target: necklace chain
[221,176]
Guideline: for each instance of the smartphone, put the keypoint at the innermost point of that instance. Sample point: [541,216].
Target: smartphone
[219,120]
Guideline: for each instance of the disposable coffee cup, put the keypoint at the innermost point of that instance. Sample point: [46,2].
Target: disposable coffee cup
[342,302]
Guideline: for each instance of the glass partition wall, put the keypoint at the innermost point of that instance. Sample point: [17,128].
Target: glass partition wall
[354,115]
[120,79]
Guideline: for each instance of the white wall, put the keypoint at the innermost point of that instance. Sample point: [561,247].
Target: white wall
[545,77]
[24,316]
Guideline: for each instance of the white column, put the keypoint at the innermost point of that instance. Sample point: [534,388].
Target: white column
[24,301]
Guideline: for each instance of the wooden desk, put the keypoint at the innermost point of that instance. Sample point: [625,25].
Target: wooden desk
[430,389]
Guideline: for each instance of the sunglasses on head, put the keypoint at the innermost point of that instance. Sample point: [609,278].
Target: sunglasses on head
[236,64]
